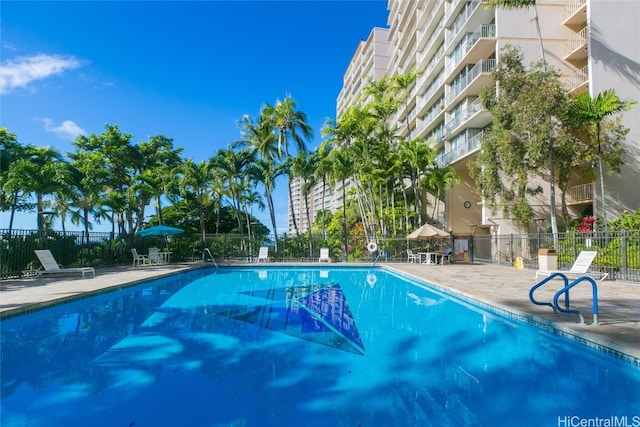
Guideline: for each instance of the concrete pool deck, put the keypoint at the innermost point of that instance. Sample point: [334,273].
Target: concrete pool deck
[505,288]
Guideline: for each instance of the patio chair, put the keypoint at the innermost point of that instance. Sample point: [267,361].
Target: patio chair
[155,257]
[446,255]
[50,265]
[580,266]
[138,259]
[263,255]
[324,255]
[411,257]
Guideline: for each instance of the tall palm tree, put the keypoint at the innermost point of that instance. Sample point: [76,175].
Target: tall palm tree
[592,111]
[416,157]
[291,125]
[266,172]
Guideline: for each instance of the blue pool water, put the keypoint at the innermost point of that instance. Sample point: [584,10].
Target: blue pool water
[299,347]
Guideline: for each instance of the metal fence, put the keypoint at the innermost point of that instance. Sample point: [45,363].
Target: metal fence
[618,252]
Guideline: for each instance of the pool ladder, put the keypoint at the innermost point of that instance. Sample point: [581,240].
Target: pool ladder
[206,251]
[565,290]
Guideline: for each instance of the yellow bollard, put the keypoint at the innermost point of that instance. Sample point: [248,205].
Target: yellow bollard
[519,264]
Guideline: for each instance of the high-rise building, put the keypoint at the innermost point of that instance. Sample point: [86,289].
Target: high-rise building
[455,45]
[369,62]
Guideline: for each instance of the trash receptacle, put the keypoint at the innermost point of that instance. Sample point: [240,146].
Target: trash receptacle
[547,259]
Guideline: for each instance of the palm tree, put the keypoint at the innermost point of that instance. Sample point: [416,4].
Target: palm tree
[266,172]
[416,157]
[290,125]
[43,172]
[193,181]
[233,167]
[592,111]
[438,180]
[12,193]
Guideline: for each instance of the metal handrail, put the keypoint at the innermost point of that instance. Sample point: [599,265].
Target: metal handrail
[565,290]
[542,282]
[206,250]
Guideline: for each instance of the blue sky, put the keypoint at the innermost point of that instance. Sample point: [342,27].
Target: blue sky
[185,70]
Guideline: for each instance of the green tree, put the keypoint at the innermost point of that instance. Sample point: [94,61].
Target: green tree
[528,137]
[113,152]
[154,179]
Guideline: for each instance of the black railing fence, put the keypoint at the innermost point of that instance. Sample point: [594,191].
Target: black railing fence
[618,252]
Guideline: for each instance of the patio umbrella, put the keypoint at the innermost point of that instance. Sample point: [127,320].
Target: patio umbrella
[159,230]
[426,232]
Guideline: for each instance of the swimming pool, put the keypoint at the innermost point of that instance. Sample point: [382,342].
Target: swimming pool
[305,346]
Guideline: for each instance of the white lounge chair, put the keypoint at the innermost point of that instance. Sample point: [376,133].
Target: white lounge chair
[50,266]
[411,257]
[138,259]
[580,266]
[324,255]
[263,255]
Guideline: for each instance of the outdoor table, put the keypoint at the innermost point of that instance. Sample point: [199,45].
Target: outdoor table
[429,257]
[166,256]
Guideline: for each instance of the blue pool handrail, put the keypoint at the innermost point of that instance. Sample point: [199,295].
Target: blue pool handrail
[565,290]
[545,280]
[207,251]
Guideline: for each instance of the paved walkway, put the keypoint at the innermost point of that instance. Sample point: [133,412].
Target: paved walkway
[506,288]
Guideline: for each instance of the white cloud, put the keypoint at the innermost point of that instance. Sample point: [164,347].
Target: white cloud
[68,129]
[21,71]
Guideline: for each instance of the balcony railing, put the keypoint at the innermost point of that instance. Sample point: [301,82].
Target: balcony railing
[578,78]
[466,112]
[483,31]
[484,66]
[580,193]
[575,42]
[573,6]
[462,149]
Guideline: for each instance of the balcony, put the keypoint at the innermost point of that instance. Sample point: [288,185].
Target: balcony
[578,82]
[462,150]
[464,116]
[575,49]
[580,194]
[575,13]
[471,81]
[479,44]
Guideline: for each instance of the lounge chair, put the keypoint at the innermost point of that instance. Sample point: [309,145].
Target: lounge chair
[412,257]
[50,266]
[263,255]
[138,259]
[324,255]
[580,266]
